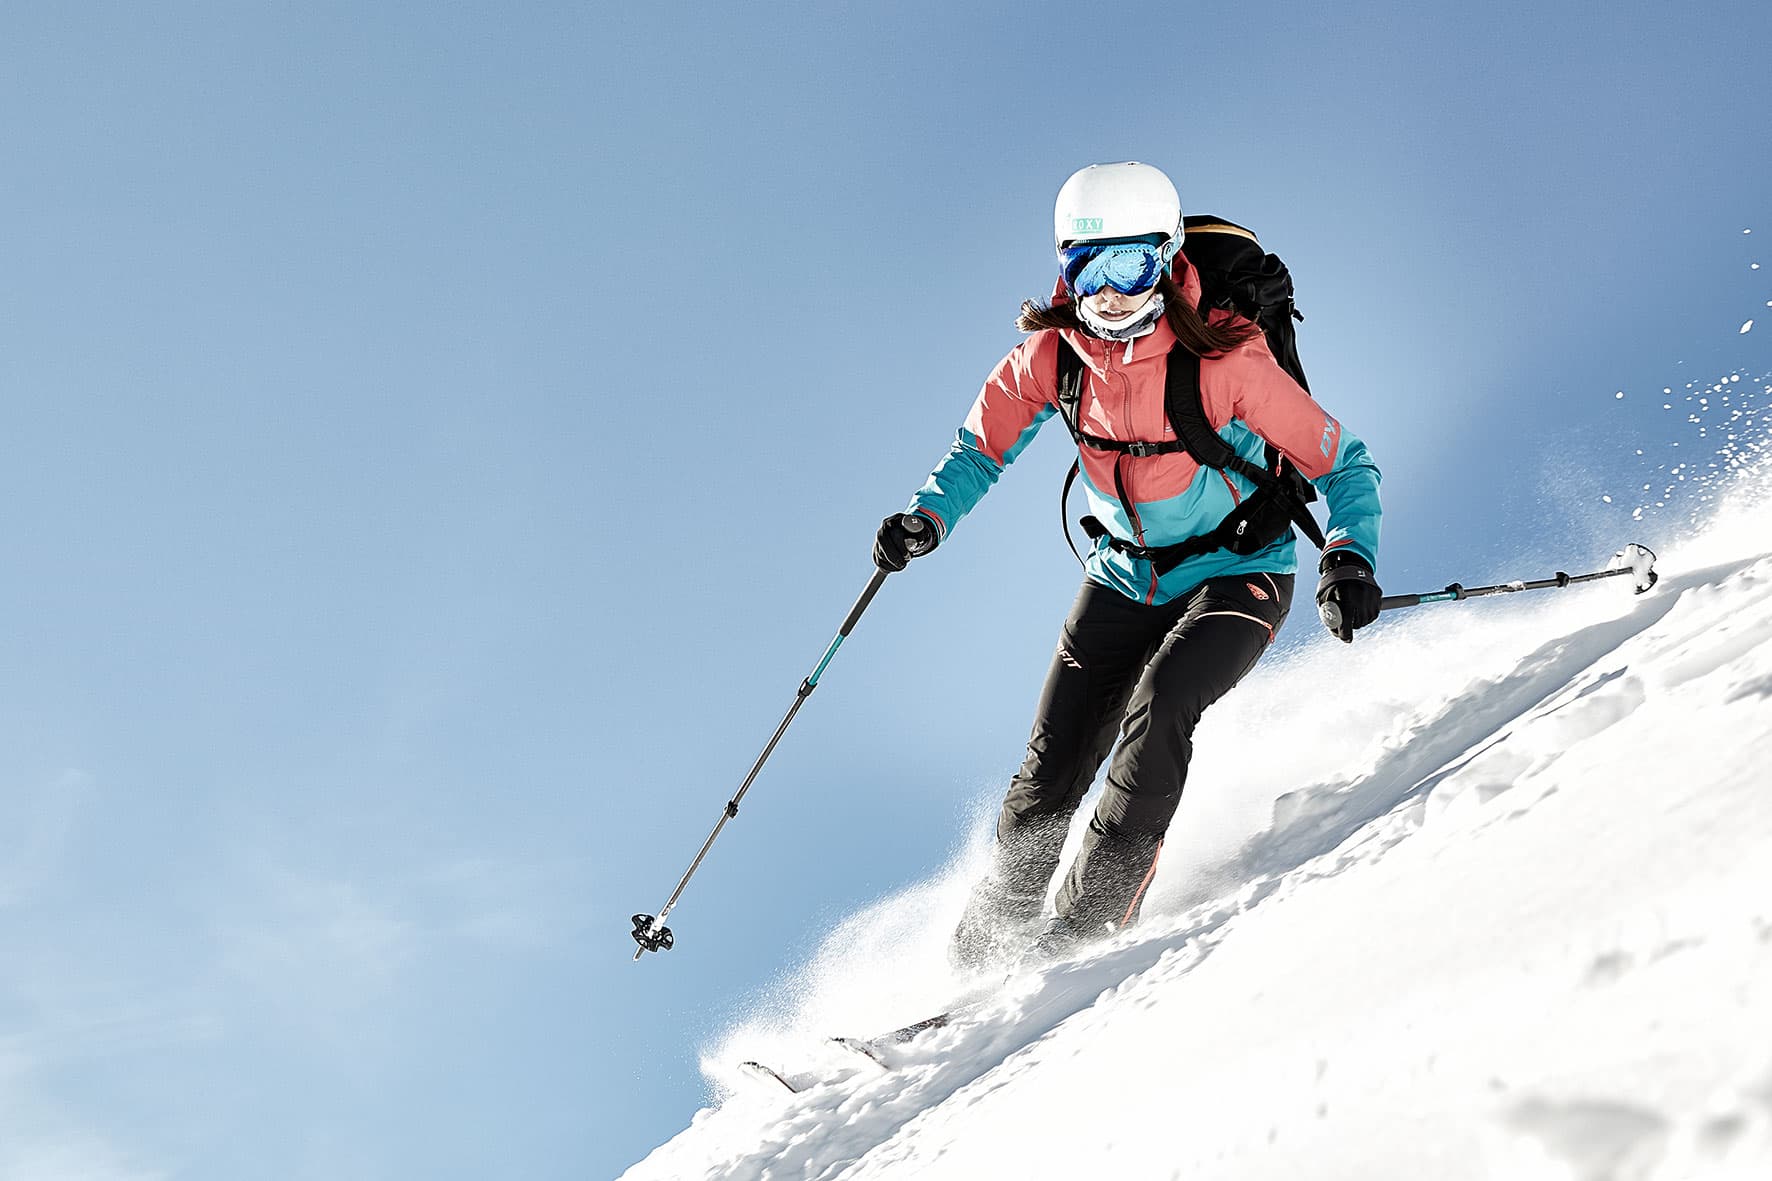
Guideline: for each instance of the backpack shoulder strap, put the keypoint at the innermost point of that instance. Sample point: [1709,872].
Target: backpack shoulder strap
[1185,404]
[1069,385]
[1070,393]
[1186,407]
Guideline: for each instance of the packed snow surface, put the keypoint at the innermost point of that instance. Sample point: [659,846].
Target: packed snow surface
[1495,903]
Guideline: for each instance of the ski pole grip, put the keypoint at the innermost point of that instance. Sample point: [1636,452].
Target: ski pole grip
[1640,560]
[921,536]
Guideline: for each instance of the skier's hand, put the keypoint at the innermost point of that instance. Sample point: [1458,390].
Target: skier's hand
[904,536]
[1348,595]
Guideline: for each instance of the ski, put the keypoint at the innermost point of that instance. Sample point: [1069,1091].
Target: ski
[865,1048]
[878,1050]
[905,1033]
[769,1076]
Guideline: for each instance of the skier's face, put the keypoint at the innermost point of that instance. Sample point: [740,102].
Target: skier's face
[1111,305]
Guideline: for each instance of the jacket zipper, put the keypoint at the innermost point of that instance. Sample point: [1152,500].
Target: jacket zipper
[1107,362]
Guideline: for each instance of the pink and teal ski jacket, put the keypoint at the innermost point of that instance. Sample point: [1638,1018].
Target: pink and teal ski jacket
[1248,399]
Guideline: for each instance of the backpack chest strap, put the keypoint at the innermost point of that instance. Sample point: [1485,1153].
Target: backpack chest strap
[1136,449]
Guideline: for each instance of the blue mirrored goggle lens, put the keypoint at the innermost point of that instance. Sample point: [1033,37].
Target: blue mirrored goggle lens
[1127,267]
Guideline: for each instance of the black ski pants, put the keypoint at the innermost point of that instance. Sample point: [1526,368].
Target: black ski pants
[1148,673]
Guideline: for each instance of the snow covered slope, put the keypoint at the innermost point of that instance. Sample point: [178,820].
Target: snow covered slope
[1499,907]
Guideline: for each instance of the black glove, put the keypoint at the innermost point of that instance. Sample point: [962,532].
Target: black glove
[904,536]
[1348,595]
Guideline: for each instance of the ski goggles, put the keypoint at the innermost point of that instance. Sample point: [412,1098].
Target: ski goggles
[1127,267]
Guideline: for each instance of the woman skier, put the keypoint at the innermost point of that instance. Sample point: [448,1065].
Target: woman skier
[1149,643]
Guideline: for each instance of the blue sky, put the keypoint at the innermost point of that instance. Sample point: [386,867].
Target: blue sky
[437,440]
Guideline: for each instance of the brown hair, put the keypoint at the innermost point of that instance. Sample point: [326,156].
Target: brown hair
[1196,336]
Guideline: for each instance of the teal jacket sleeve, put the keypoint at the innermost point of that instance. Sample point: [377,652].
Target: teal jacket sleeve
[1351,489]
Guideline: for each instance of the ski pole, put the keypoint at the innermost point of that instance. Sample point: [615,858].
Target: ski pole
[649,930]
[1635,560]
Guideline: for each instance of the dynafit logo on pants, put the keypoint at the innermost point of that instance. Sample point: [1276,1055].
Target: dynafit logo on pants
[1085,225]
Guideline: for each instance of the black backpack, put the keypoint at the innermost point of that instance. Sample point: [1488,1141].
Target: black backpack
[1237,274]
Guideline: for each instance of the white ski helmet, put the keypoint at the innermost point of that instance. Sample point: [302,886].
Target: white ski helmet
[1104,202]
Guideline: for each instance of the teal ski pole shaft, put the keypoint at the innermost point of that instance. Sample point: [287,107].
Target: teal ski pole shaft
[1635,560]
[649,930]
